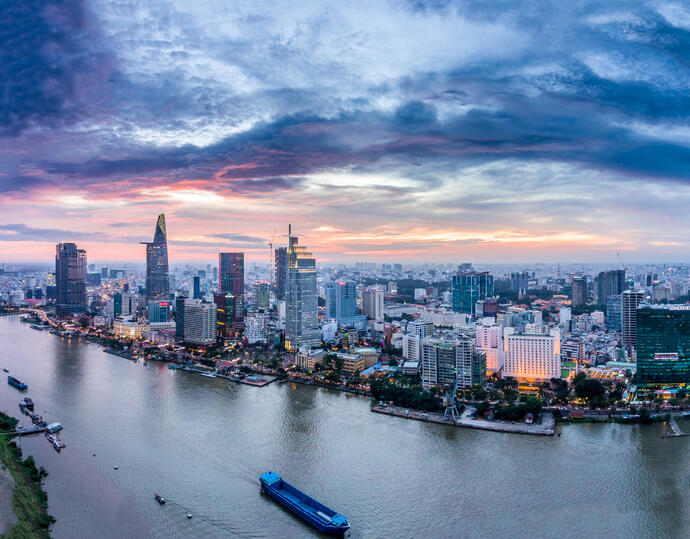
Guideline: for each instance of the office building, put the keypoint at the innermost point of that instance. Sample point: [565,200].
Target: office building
[231,281]
[262,295]
[341,300]
[468,288]
[610,283]
[196,285]
[445,358]
[579,291]
[280,271]
[158,311]
[630,299]
[301,298]
[423,328]
[663,346]
[199,322]
[411,347]
[519,281]
[225,316]
[179,316]
[157,278]
[372,302]
[533,357]
[613,312]
[70,279]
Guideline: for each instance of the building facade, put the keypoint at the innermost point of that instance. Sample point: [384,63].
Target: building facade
[280,271]
[468,288]
[70,279]
[610,283]
[444,358]
[199,322]
[372,302]
[533,357]
[157,278]
[231,281]
[630,299]
[663,346]
[301,298]
[579,291]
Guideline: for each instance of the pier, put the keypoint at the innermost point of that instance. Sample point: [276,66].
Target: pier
[675,429]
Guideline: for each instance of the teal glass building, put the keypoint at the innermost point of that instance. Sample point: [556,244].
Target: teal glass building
[468,288]
[663,345]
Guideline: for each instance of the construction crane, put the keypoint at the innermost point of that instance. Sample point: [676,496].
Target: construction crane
[451,409]
[621,261]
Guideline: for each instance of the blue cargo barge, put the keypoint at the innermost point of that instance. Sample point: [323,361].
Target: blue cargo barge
[317,514]
[16,383]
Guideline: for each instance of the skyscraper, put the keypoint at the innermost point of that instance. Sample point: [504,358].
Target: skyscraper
[197,287]
[579,291]
[199,322]
[225,316]
[341,300]
[610,283]
[157,279]
[301,298]
[280,270]
[70,278]
[372,302]
[663,346]
[630,299]
[468,288]
[444,358]
[231,281]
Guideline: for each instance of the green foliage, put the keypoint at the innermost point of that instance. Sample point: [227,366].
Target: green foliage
[408,397]
[589,389]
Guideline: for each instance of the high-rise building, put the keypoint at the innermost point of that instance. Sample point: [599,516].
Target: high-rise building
[157,279]
[341,300]
[199,322]
[663,346]
[468,288]
[533,357]
[630,299]
[444,358]
[519,281]
[225,316]
[158,311]
[301,298]
[372,302]
[613,312]
[489,338]
[70,278]
[579,291]
[610,283]
[231,281]
[423,328]
[179,316]
[280,272]
[262,295]
[196,284]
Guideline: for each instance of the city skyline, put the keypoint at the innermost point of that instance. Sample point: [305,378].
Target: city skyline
[473,131]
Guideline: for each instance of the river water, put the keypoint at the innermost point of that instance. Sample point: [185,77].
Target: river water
[202,443]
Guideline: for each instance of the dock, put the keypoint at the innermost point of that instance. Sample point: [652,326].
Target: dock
[545,428]
[25,431]
[675,429]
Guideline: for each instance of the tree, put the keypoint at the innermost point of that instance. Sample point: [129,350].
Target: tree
[589,389]
[533,405]
[393,362]
[579,377]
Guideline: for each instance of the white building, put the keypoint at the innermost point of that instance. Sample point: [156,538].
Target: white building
[533,357]
[329,330]
[564,315]
[256,327]
[199,322]
[372,302]
[444,358]
[598,318]
[423,328]
[489,338]
[411,347]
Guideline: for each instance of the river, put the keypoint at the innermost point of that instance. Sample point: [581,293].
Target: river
[202,443]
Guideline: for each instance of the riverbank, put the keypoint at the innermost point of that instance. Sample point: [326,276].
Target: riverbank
[29,517]
[545,428]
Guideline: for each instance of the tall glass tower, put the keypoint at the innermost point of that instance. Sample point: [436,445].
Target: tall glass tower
[231,281]
[157,279]
[70,278]
[301,298]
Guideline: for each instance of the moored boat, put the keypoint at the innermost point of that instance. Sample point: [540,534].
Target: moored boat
[159,498]
[318,515]
[16,383]
[28,403]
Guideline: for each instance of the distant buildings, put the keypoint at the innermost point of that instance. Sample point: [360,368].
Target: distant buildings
[610,283]
[158,311]
[199,322]
[231,281]
[372,302]
[341,300]
[445,357]
[468,288]
[157,278]
[280,272]
[663,346]
[519,281]
[579,291]
[70,279]
[630,299]
[301,298]
[613,312]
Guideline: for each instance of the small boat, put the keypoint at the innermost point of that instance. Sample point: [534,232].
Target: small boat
[5,370]
[115,467]
[318,515]
[189,515]
[16,383]
[159,498]
[28,403]
[54,427]
[208,375]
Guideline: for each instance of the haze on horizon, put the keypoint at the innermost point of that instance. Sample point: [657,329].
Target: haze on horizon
[396,131]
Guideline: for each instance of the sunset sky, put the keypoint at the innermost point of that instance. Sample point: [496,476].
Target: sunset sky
[501,131]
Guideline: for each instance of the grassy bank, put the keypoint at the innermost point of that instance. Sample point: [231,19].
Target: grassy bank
[29,500]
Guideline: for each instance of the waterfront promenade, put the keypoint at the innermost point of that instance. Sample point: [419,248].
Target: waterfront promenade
[545,428]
